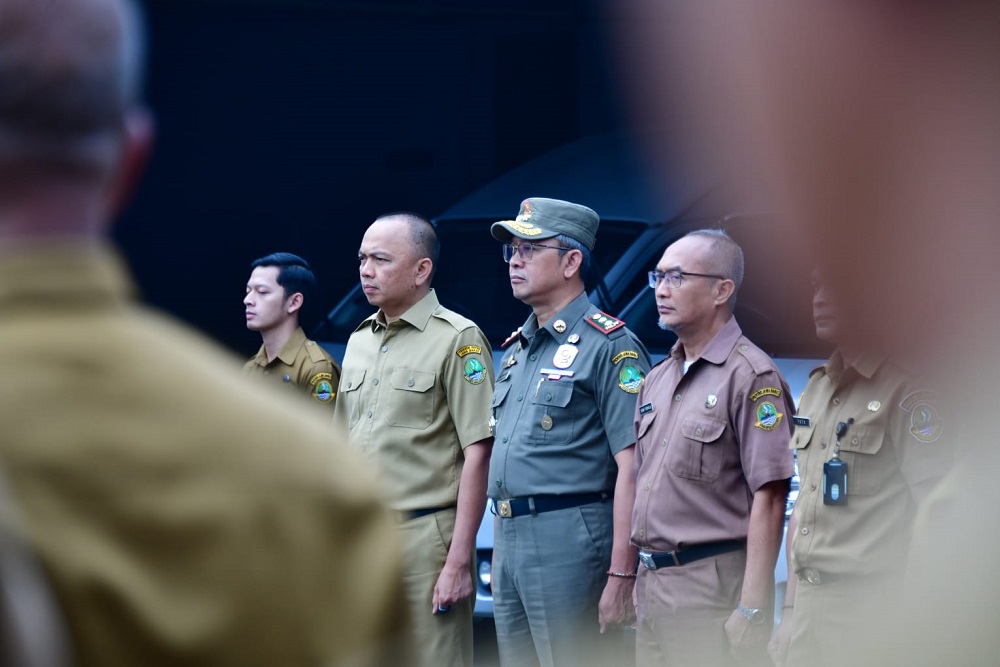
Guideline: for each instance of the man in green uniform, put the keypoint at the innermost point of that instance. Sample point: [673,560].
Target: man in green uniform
[279,287]
[560,475]
[415,396]
[870,447]
[182,517]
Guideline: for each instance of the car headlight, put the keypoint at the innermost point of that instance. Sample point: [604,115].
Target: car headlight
[485,573]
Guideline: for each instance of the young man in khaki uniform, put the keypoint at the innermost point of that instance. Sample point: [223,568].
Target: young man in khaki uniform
[415,397]
[279,287]
[182,517]
[712,467]
[561,470]
[850,533]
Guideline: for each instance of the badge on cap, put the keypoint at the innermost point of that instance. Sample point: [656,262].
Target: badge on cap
[565,354]
[559,326]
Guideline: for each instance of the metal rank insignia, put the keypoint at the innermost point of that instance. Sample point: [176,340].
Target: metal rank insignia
[874,406]
[573,338]
[559,326]
[511,360]
[565,354]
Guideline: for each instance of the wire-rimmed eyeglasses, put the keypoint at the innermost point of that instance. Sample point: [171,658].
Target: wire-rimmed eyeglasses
[526,250]
[676,278]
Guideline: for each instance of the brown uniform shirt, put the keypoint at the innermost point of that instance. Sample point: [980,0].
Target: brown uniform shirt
[894,453]
[413,395]
[182,516]
[302,363]
[707,441]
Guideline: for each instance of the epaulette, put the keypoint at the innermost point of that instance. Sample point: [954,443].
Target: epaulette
[604,322]
[458,322]
[510,339]
[316,352]
[759,361]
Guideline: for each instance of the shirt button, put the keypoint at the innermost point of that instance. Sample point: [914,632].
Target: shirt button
[677,397]
[664,443]
[369,415]
[822,445]
[520,397]
[697,431]
[642,533]
[350,384]
[505,438]
[533,357]
[854,441]
[836,401]
[813,486]
[374,382]
[648,487]
[385,348]
[744,348]
[805,531]
[409,383]
[548,397]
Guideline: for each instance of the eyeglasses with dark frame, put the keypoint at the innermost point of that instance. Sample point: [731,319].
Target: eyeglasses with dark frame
[676,278]
[526,250]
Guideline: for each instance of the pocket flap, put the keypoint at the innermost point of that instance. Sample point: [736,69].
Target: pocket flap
[645,421]
[500,393]
[702,429]
[863,439]
[352,379]
[801,437]
[554,392]
[411,380]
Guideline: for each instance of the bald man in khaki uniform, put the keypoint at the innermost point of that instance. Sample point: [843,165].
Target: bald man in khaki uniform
[415,397]
[182,517]
[850,542]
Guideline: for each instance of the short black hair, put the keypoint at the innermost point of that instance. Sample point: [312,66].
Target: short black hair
[423,235]
[294,274]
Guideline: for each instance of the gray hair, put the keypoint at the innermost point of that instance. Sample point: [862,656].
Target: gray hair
[570,243]
[724,258]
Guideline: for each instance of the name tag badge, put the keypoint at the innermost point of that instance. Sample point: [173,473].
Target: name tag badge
[645,408]
[804,422]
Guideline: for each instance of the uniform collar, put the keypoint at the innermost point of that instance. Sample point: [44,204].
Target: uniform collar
[291,347]
[418,315]
[719,348]
[866,366]
[57,274]
[570,315]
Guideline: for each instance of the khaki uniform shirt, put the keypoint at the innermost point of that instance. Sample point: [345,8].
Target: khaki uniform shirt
[894,454]
[707,441]
[182,517]
[563,404]
[303,364]
[413,395]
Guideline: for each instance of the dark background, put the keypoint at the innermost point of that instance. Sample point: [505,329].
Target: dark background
[291,124]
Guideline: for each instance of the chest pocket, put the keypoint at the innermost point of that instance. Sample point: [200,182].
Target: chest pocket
[552,406]
[411,401]
[645,422]
[350,385]
[799,444]
[867,472]
[699,453]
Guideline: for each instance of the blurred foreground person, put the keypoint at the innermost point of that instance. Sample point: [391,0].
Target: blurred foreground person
[870,447]
[181,517]
[877,125]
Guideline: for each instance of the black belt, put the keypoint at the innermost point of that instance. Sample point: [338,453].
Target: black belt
[547,503]
[410,515]
[684,556]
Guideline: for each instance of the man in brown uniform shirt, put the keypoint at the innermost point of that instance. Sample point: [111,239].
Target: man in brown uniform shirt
[712,468]
[415,396]
[182,517]
[279,287]
[850,537]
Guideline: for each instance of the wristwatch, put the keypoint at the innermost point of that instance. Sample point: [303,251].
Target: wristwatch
[752,616]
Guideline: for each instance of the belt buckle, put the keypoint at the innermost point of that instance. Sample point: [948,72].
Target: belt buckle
[503,507]
[646,559]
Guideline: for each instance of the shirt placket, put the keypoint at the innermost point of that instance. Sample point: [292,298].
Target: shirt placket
[655,456]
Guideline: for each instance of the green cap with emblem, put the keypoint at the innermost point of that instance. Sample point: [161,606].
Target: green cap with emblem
[541,218]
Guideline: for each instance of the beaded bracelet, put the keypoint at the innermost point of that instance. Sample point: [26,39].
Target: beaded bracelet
[623,575]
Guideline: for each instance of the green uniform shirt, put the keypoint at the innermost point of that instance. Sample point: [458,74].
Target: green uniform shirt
[563,404]
[302,364]
[182,516]
[413,394]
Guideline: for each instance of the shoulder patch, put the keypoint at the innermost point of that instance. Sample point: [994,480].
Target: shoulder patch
[469,349]
[925,424]
[768,416]
[474,371]
[511,338]
[624,354]
[604,322]
[630,379]
[322,388]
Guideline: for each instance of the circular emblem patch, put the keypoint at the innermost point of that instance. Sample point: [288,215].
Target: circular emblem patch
[925,425]
[768,416]
[630,379]
[474,371]
[323,391]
